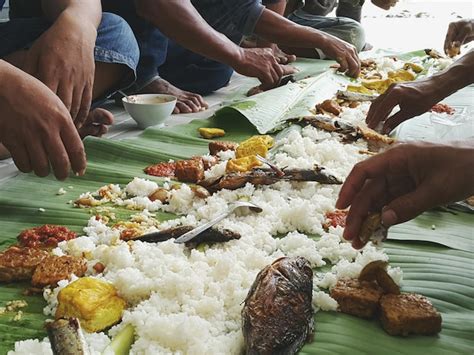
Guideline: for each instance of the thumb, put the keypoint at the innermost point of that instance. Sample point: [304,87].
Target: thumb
[407,207]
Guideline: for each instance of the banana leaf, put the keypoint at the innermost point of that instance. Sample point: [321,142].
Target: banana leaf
[438,269]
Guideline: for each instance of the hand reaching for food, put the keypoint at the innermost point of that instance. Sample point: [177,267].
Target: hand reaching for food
[413,98]
[41,133]
[261,63]
[344,53]
[459,33]
[405,181]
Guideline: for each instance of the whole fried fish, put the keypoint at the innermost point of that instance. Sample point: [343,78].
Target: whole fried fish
[277,317]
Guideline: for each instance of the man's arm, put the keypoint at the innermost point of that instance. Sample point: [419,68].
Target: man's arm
[417,97]
[88,11]
[405,181]
[36,127]
[180,21]
[277,6]
[63,56]
[281,31]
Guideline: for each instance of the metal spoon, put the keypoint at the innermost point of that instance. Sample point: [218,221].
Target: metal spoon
[198,230]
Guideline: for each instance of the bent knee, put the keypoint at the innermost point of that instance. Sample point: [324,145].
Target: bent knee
[354,33]
[115,35]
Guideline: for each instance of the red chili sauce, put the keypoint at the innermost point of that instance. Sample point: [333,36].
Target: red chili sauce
[47,236]
[161,169]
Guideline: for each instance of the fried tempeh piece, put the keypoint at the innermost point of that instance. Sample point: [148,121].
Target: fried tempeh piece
[20,263]
[359,298]
[409,313]
[189,170]
[220,146]
[56,268]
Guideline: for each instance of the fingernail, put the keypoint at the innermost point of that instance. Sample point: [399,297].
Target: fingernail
[389,217]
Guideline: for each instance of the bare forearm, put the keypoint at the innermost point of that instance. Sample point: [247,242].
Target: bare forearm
[7,73]
[86,11]
[459,75]
[281,31]
[278,8]
[180,21]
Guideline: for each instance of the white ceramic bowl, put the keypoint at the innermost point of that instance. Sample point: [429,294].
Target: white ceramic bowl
[149,109]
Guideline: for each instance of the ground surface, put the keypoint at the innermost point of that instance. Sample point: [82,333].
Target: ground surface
[411,25]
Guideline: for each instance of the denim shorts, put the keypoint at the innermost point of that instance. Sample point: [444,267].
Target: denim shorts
[115,41]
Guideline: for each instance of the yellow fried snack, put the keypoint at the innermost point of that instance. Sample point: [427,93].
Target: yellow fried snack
[209,133]
[242,165]
[378,85]
[253,146]
[401,75]
[413,66]
[359,89]
[94,302]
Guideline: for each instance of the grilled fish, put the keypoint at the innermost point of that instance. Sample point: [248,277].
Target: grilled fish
[211,235]
[355,96]
[277,317]
[66,337]
[257,177]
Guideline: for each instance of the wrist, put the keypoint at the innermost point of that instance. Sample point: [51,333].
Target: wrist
[79,24]
[236,57]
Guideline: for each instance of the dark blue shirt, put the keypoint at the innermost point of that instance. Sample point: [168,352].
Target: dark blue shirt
[2,2]
[234,18]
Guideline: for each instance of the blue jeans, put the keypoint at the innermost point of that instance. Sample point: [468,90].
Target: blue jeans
[161,57]
[343,28]
[115,41]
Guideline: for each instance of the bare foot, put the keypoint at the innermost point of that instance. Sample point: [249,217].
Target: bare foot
[187,101]
[97,123]
[4,153]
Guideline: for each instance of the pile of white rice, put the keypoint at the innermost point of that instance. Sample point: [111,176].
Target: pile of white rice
[184,301]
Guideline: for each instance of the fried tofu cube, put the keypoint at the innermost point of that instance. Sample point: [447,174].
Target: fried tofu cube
[189,170]
[409,313]
[216,147]
[209,133]
[56,268]
[359,298]
[94,302]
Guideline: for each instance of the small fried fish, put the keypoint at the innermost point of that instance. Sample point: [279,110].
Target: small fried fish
[66,337]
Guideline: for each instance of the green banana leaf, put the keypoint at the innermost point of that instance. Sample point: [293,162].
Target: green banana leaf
[432,266]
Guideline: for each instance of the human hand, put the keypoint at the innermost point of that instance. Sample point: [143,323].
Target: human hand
[344,53]
[63,59]
[414,98]
[405,181]
[459,33]
[261,63]
[281,56]
[37,129]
